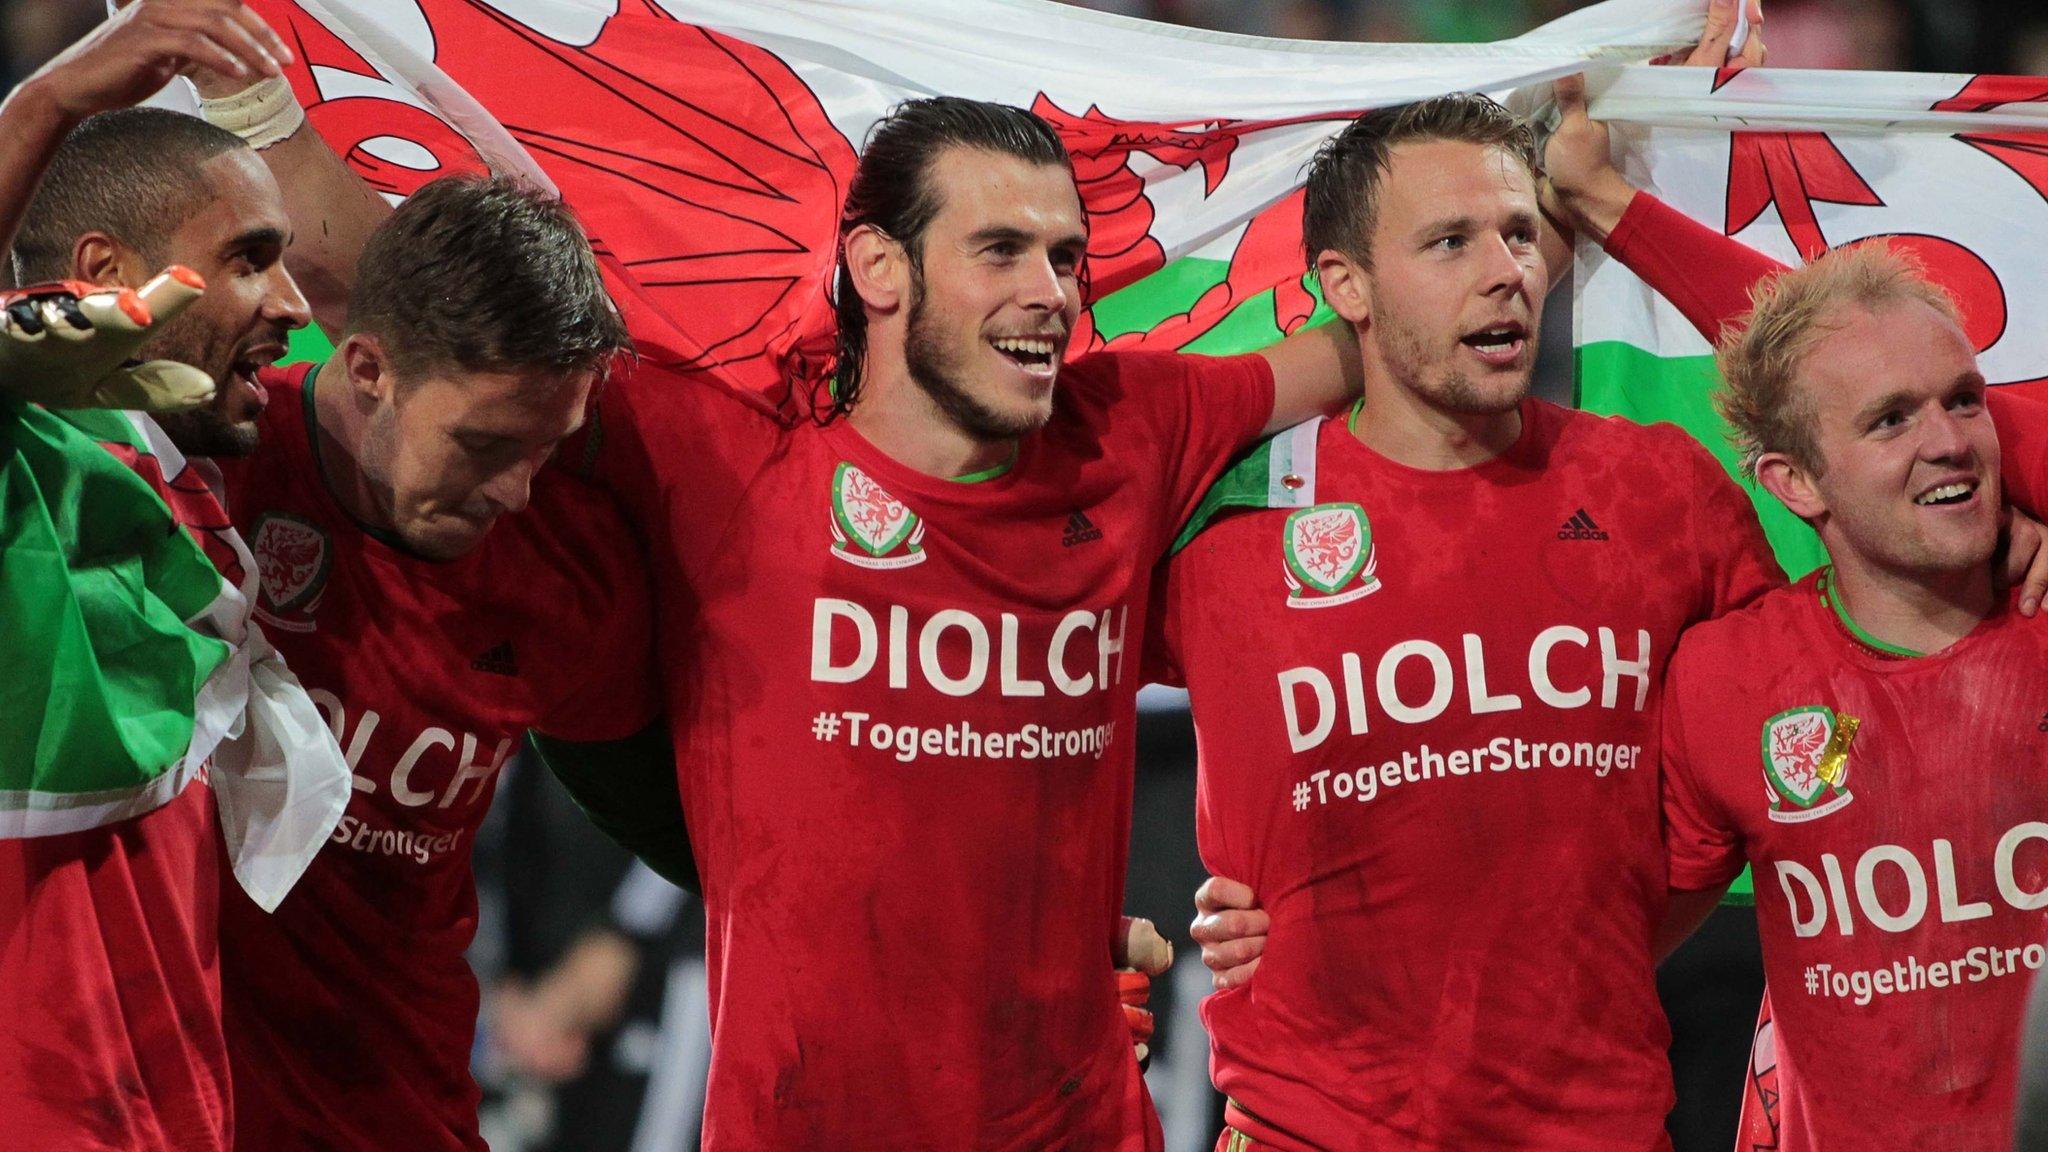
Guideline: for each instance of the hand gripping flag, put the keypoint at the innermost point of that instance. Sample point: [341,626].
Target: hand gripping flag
[1952,168]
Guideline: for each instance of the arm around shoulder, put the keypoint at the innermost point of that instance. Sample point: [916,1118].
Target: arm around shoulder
[628,789]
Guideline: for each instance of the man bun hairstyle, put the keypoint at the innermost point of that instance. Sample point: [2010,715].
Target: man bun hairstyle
[1341,203]
[892,192]
[486,273]
[132,173]
[1761,358]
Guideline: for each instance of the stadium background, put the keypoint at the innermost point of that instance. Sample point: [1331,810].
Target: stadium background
[572,930]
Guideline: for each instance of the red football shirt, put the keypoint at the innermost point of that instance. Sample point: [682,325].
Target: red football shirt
[1426,713]
[1893,810]
[113,1041]
[903,710]
[350,1011]
[111,1038]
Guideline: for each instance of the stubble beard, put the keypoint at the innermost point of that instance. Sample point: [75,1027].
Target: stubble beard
[204,431]
[936,370]
[1407,357]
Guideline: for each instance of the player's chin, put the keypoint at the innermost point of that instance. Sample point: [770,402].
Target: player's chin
[449,537]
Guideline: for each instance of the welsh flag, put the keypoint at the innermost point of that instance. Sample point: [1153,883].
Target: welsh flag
[108,616]
[707,145]
[1953,168]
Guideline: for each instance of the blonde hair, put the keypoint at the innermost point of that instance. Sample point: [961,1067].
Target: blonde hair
[1760,360]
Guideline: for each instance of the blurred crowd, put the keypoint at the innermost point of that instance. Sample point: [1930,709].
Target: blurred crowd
[1920,35]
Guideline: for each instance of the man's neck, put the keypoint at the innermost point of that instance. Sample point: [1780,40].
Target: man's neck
[338,428]
[1910,614]
[896,416]
[1399,425]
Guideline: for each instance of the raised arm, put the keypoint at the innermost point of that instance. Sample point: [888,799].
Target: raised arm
[120,63]
[333,210]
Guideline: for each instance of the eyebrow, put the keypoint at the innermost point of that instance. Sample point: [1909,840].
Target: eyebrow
[1001,232]
[1877,407]
[1449,224]
[257,238]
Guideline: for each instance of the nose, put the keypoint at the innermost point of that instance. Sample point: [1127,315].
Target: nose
[283,303]
[1503,269]
[1044,287]
[1943,439]
[511,489]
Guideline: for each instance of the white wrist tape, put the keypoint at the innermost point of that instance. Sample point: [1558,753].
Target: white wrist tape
[261,114]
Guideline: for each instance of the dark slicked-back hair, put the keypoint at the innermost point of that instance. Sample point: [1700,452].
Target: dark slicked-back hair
[485,274]
[132,173]
[1341,206]
[892,190]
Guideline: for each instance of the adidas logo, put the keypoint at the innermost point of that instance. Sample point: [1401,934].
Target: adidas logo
[1581,527]
[1080,530]
[497,661]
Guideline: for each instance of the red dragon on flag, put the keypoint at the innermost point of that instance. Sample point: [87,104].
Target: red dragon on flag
[1794,171]
[711,175]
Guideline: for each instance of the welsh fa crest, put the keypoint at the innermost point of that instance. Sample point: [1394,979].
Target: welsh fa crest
[1806,762]
[871,528]
[292,559]
[1329,556]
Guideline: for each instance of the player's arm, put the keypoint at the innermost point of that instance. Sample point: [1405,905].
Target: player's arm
[628,789]
[118,64]
[1684,911]
[333,210]
[1597,214]
[1315,371]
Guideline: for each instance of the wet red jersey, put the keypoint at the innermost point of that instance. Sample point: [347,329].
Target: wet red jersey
[1426,707]
[351,1010]
[903,710]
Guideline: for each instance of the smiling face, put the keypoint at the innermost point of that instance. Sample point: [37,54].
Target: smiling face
[236,243]
[995,290]
[1457,281]
[1907,458]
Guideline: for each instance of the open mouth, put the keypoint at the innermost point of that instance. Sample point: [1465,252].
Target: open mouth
[1032,353]
[1498,343]
[1956,492]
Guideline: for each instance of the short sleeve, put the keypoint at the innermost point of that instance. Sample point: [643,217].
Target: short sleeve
[1705,852]
[1737,564]
[676,450]
[2023,450]
[1209,408]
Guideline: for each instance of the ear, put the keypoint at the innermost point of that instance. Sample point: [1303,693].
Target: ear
[366,368]
[98,258]
[1347,287]
[1792,484]
[879,268]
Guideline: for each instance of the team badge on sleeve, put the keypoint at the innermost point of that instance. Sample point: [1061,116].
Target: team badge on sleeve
[871,528]
[291,561]
[1806,762]
[1329,556]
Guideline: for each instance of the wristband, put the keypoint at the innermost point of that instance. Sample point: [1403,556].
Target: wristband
[261,114]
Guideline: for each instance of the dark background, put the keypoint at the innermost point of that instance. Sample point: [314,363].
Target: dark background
[550,883]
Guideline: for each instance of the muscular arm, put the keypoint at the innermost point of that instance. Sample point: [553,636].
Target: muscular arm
[628,789]
[1315,371]
[31,127]
[333,211]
